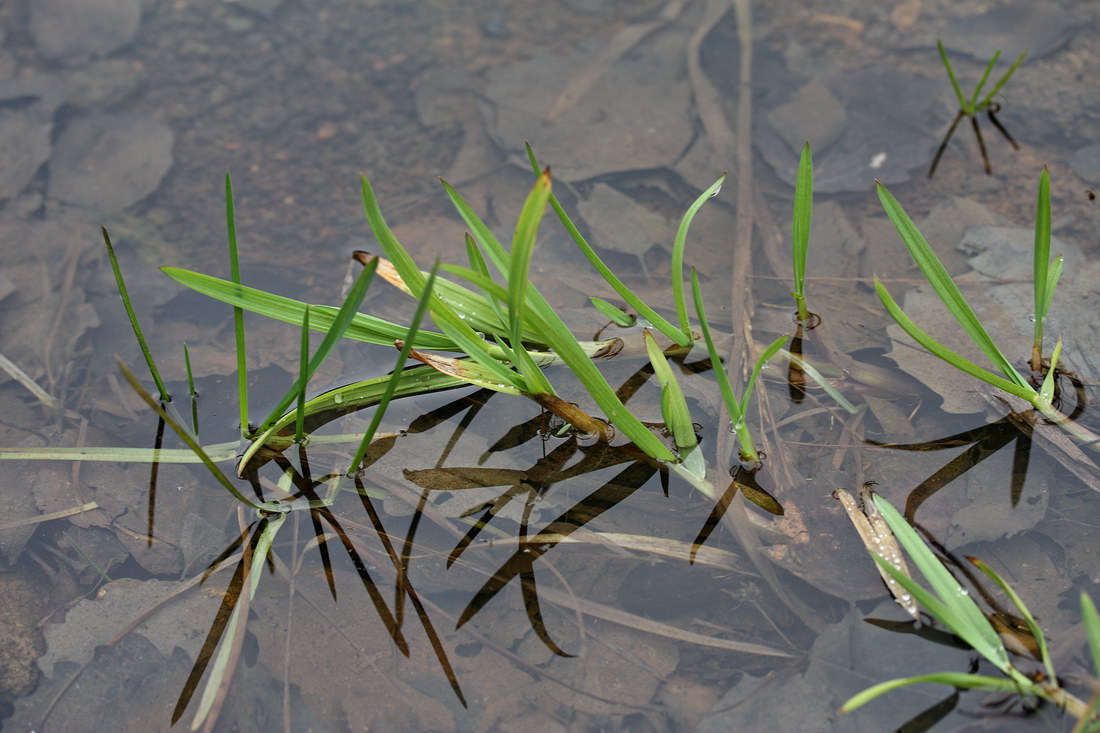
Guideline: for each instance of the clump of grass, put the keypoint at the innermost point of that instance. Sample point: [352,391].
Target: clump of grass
[974,106]
[951,605]
[1009,379]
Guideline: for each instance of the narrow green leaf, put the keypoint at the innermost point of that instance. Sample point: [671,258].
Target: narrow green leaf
[1053,275]
[450,322]
[303,367]
[812,372]
[1041,255]
[558,337]
[1046,391]
[1026,391]
[191,390]
[733,406]
[1032,624]
[674,407]
[944,286]
[395,376]
[613,314]
[191,443]
[634,301]
[954,679]
[1092,630]
[335,332]
[965,618]
[765,355]
[678,247]
[982,81]
[951,74]
[238,312]
[1003,80]
[523,248]
[800,228]
[132,316]
[362,328]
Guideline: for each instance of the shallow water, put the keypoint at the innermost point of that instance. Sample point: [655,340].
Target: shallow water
[594,619]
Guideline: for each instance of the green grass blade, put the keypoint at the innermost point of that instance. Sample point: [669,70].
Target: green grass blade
[362,328]
[395,376]
[678,247]
[1053,276]
[335,332]
[130,314]
[983,80]
[303,368]
[351,397]
[1092,630]
[1046,390]
[959,362]
[558,337]
[768,353]
[954,679]
[634,301]
[523,248]
[613,314]
[1041,254]
[963,616]
[1003,80]
[951,74]
[191,390]
[673,404]
[733,406]
[800,228]
[450,322]
[944,286]
[478,265]
[191,443]
[1032,624]
[238,313]
[819,378]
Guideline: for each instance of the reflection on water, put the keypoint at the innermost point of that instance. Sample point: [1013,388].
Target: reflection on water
[490,571]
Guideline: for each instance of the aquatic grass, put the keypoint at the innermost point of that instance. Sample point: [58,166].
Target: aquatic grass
[1009,379]
[737,408]
[238,312]
[800,229]
[681,335]
[952,605]
[972,106]
[1045,273]
[123,293]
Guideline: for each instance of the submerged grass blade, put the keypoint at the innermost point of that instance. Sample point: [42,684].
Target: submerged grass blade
[1092,630]
[191,390]
[944,286]
[800,228]
[125,295]
[303,368]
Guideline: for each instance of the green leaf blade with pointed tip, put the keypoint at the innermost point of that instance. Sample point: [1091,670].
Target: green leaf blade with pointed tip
[944,286]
